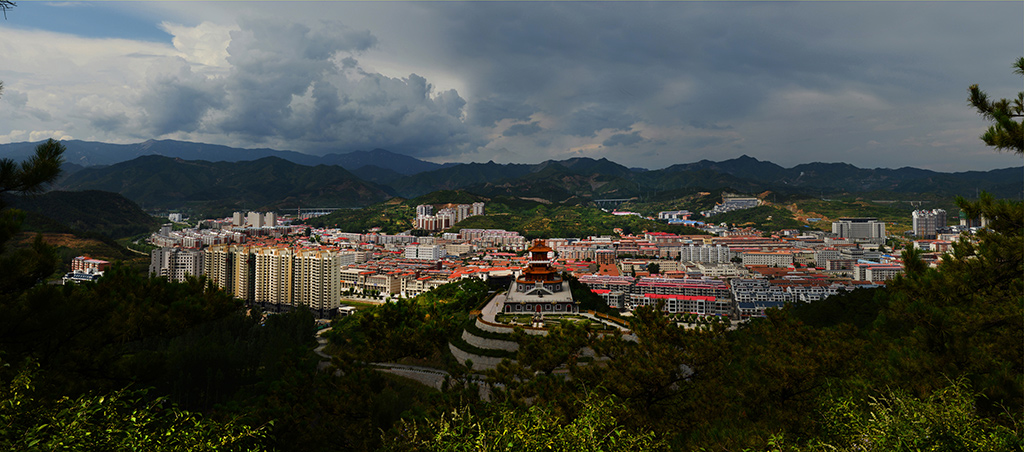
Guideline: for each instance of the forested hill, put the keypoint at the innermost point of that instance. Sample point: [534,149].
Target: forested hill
[156,182]
[558,180]
[90,211]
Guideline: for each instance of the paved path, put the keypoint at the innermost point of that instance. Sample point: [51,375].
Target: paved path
[490,309]
[426,375]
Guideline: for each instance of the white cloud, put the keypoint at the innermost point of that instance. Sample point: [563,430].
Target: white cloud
[38,135]
[205,45]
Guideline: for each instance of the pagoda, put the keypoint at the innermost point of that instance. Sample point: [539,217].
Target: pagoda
[539,289]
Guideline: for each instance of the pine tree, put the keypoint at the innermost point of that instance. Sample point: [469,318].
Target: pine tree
[1006,133]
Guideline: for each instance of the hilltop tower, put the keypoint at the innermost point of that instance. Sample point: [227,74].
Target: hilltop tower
[539,289]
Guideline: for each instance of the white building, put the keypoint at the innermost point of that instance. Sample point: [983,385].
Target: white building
[176,264]
[705,253]
[875,272]
[424,252]
[255,219]
[769,258]
[866,229]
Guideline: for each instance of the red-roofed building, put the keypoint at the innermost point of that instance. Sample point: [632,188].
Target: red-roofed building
[82,264]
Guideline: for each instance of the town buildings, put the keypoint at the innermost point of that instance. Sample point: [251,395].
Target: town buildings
[446,216]
[736,272]
[279,277]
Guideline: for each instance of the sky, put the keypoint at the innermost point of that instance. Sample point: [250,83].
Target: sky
[874,84]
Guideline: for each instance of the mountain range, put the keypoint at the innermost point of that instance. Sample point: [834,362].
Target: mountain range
[170,174]
[92,153]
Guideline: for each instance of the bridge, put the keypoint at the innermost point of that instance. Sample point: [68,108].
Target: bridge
[310,212]
[611,202]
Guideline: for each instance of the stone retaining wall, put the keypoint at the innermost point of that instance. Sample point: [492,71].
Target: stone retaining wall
[479,362]
[507,329]
[490,344]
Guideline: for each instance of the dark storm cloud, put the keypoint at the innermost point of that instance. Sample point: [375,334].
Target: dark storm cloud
[303,84]
[487,111]
[708,126]
[175,98]
[522,129]
[782,81]
[585,122]
[272,62]
[108,121]
[623,139]
[715,66]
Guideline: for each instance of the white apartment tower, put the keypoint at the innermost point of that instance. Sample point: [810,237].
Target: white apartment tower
[176,264]
[317,279]
[255,219]
[273,275]
[278,275]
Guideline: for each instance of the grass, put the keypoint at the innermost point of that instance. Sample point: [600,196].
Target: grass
[461,344]
[359,305]
[476,331]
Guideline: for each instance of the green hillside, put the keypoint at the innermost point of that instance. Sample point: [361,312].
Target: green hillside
[392,216]
[89,212]
[557,220]
[218,188]
[764,218]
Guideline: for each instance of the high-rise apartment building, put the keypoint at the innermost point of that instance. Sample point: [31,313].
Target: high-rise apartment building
[273,275]
[255,219]
[317,279]
[176,264]
[928,222]
[280,276]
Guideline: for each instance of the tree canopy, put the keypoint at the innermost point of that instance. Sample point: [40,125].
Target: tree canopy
[1006,133]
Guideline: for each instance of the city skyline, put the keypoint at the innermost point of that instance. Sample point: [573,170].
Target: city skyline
[643,84]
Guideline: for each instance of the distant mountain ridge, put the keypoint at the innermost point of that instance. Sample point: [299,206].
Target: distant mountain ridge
[379,174]
[92,153]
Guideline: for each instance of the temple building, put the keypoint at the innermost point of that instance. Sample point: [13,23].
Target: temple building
[539,289]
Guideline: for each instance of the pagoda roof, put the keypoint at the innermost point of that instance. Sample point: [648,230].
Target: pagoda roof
[540,247]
